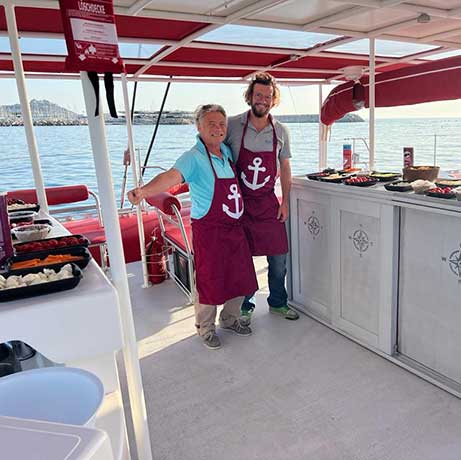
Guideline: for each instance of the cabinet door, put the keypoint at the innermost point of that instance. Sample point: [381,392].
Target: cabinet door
[363,267]
[310,253]
[430,291]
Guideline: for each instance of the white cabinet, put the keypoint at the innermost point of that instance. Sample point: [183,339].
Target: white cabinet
[310,252]
[363,270]
[343,260]
[430,291]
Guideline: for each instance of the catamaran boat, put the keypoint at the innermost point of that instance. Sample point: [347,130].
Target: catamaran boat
[112,369]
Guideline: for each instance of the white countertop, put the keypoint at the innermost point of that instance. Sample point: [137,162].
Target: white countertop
[66,326]
[380,194]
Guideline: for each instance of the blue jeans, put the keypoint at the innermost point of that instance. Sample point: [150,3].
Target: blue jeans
[276,274]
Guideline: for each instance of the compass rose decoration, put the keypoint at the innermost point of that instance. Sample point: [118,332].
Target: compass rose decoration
[313,225]
[361,241]
[454,262]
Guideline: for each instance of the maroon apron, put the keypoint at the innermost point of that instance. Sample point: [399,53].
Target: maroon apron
[257,173]
[223,264]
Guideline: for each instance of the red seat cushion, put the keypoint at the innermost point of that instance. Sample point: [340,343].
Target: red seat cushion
[164,201]
[174,233]
[54,195]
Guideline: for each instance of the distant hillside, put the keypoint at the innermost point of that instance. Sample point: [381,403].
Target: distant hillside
[47,113]
[349,118]
[43,112]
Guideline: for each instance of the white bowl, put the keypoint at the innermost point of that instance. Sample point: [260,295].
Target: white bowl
[54,394]
[31,232]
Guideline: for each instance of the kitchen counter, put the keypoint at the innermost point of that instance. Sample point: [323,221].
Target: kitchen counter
[382,268]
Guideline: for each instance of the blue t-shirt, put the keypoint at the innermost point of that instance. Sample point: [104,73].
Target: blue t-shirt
[195,168]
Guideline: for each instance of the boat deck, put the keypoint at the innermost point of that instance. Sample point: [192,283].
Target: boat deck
[292,391]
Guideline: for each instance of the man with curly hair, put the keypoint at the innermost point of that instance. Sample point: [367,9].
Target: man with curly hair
[261,152]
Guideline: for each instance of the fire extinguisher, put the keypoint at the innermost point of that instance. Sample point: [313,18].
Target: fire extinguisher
[156,258]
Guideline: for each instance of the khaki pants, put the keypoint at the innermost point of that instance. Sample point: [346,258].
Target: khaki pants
[205,315]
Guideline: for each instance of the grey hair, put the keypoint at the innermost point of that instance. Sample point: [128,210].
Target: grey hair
[202,110]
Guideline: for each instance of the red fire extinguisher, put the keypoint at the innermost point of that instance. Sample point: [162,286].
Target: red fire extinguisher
[156,258]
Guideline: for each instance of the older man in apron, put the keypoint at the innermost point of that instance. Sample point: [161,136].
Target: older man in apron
[261,149]
[222,257]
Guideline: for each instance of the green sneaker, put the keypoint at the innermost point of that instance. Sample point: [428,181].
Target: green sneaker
[285,311]
[245,316]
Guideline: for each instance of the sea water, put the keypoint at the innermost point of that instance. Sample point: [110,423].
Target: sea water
[66,157]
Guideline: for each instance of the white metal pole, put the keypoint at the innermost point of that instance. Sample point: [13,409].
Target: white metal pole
[25,108]
[322,142]
[129,127]
[371,99]
[118,268]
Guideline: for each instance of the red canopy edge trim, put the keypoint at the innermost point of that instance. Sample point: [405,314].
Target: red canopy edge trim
[399,87]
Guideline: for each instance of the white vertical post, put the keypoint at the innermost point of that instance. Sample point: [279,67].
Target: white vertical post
[371,105]
[129,127]
[118,268]
[25,108]
[322,141]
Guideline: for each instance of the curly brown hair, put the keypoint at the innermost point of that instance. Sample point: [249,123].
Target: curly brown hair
[263,78]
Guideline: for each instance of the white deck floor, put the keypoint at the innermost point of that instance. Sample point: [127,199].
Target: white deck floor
[294,390]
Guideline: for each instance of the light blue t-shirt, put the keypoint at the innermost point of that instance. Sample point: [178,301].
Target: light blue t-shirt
[195,168]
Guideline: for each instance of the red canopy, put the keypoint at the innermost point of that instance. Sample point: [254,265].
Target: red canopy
[432,81]
[187,60]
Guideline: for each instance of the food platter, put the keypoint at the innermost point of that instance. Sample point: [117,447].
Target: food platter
[15,205]
[317,175]
[55,259]
[385,176]
[335,178]
[71,280]
[441,192]
[49,245]
[399,186]
[448,182]
[361,181]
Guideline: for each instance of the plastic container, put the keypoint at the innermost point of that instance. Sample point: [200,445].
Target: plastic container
[54,394]
[6,245]
[31,232]
[408,157]
[347,156]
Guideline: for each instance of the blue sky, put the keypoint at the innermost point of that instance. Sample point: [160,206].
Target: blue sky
[188,96]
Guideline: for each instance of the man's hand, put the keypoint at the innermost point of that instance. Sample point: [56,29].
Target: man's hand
[282,213]
[135,196]
[126,157]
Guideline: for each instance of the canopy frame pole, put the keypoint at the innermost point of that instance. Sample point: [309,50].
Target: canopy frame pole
[134,169]
[323,153]
[118,268]
[154,135]
[371,99]
[25,107]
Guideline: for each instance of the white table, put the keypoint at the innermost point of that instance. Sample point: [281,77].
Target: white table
[80,327]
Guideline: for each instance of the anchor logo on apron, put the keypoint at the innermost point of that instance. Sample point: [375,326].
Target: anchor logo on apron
[257,162]
[234,195]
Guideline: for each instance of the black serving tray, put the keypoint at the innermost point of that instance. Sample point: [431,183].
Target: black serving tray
[379,176]
[74,251]
[362,184]
[336,180]
[395,187]
[452,182]
[317,175]
[43,288]
[43,221]
[447,196]
[52,251]
[32,207]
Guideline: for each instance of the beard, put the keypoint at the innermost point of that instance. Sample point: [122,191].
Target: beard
[259,112]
